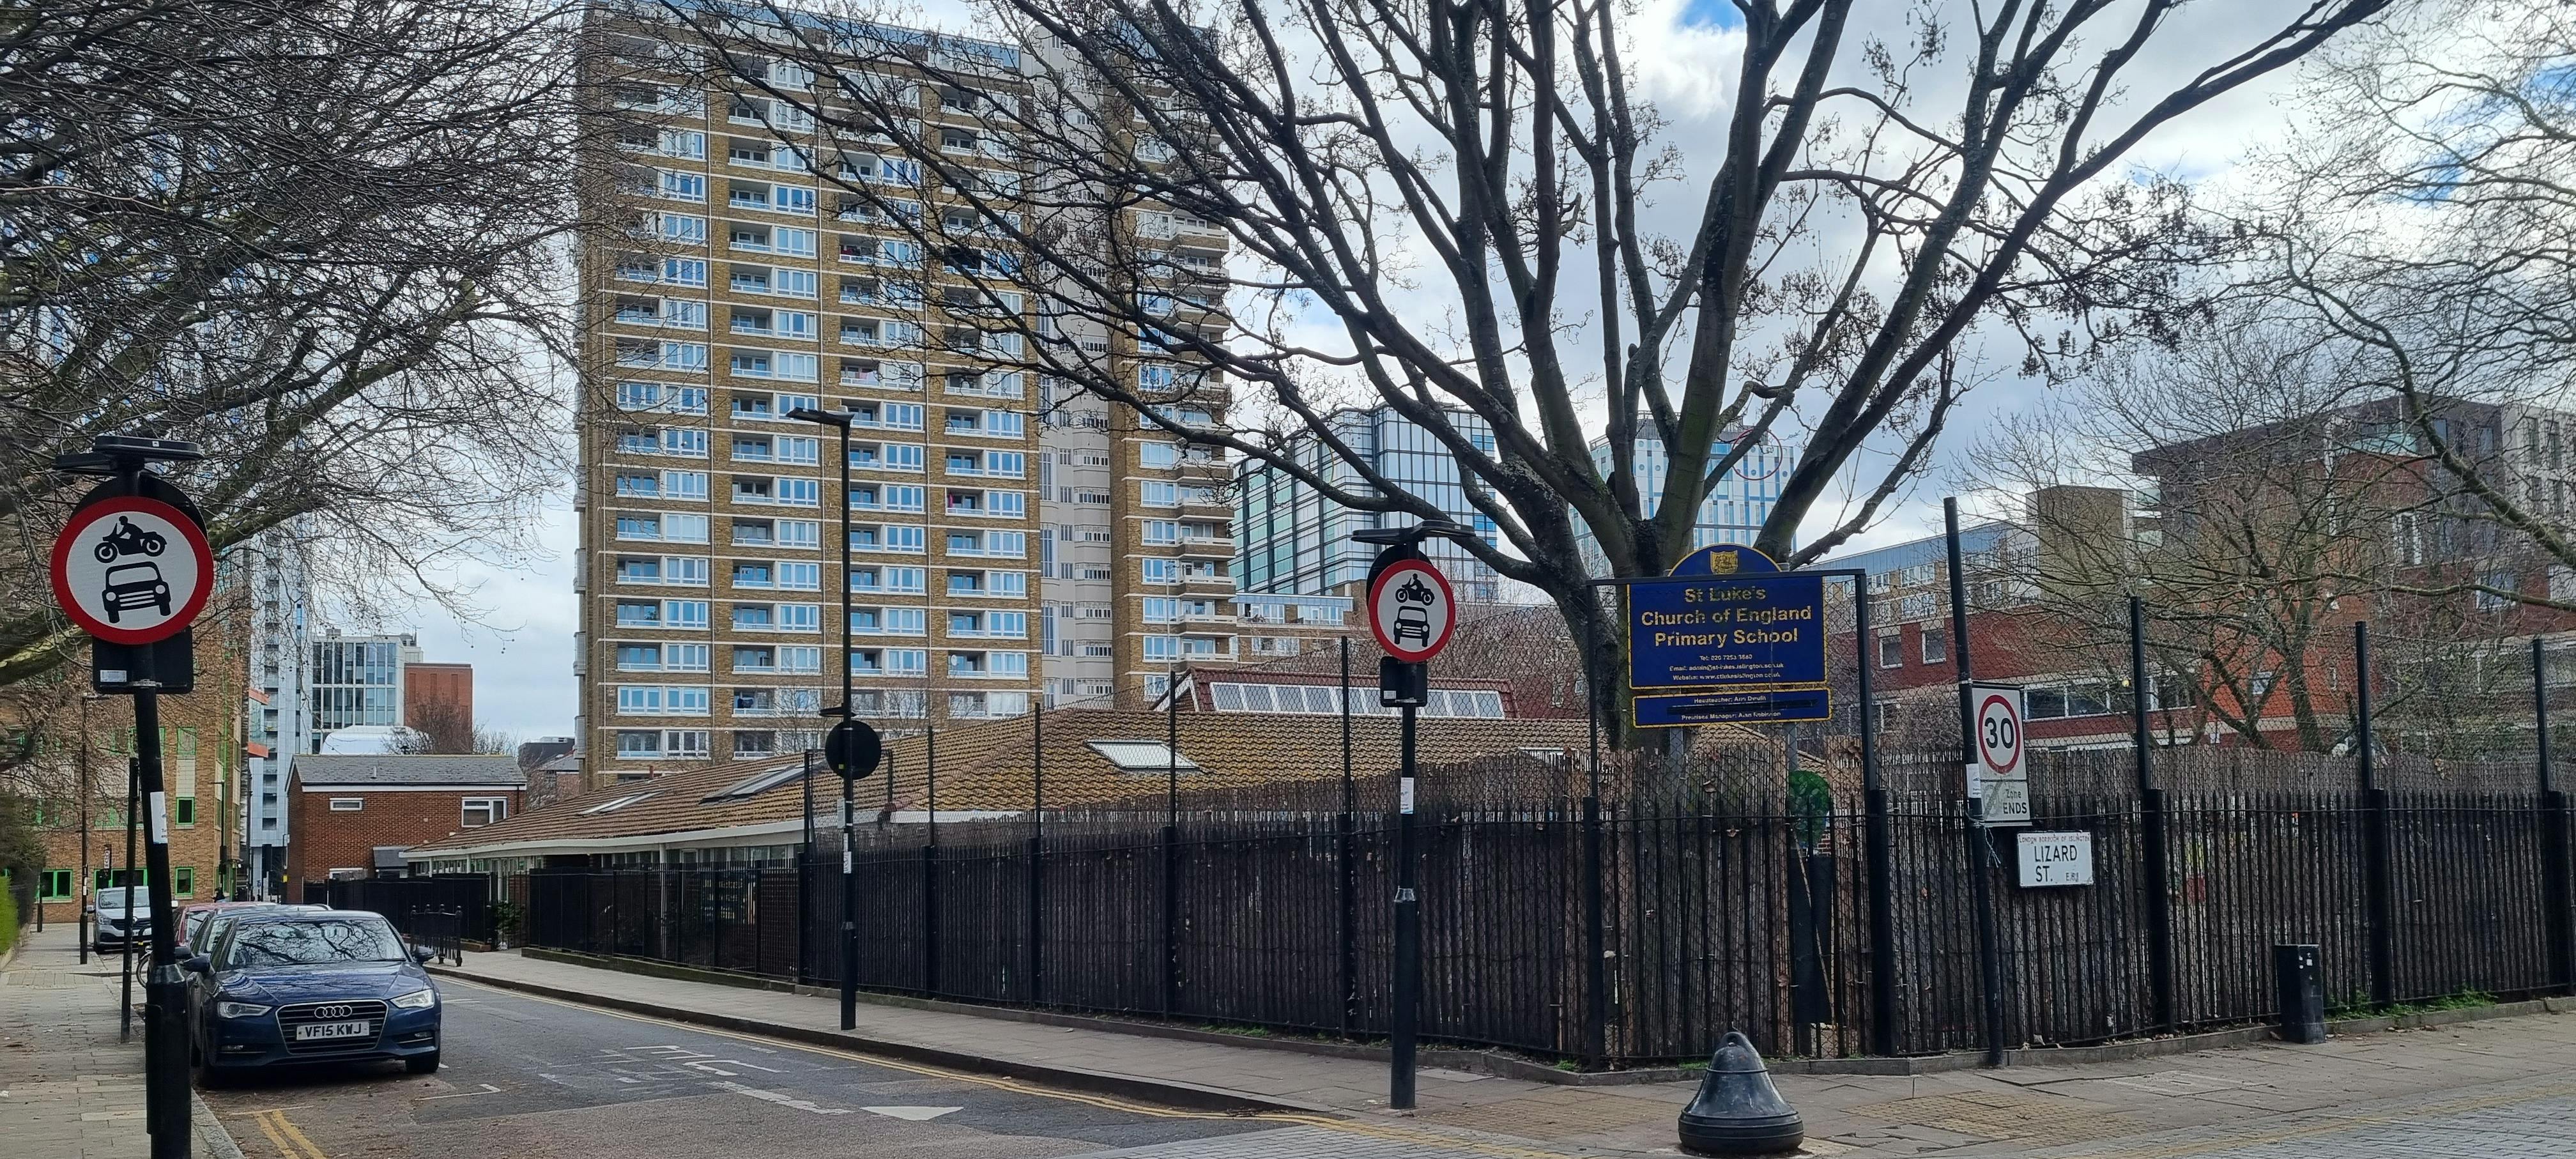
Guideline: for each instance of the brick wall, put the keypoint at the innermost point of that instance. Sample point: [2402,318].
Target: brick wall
[323,839]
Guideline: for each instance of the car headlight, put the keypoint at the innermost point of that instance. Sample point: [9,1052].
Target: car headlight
[239,1010]
[417,1000]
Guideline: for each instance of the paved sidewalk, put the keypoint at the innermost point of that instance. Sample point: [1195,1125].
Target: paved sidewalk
[68,1088]
[2480,1090]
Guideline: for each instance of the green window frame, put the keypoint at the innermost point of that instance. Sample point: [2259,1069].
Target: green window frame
[55,885]
[183,881]
[112,878]
[183,812]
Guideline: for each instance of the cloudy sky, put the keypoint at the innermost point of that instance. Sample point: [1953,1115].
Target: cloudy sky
[522,645]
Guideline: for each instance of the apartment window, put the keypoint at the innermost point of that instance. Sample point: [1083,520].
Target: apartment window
[1157,455]
[684,613]
[1891,650]
[1936,645]
[183,811]
[481,811]
[1153,494]
[1162,531]
[54,885]
[348,804]
[183,881]
[1161,571]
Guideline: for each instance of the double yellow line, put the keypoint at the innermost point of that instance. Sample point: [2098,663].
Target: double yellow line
[290,1142]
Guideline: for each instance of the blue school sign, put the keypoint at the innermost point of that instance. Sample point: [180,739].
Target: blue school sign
[1725,633]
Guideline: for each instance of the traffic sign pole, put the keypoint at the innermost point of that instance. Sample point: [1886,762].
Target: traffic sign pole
[1412,611]
[852,749]
[1981,850]
[132,568]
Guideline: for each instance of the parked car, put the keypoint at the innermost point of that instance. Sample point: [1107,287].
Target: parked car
[296,986]
[122,912]
[192,919]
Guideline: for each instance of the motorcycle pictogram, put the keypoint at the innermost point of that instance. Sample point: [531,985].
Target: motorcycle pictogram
[128,539]
[1414,591]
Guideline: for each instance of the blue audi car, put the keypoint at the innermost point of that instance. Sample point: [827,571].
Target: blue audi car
[289,987]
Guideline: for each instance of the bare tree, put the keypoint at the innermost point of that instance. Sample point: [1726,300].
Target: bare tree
[1473,210]
[2247,486]
[2427,224]
[318,238]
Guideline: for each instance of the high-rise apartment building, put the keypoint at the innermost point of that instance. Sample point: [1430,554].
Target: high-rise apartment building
[1010,535]
[1734,510]
[1297,542]
[277,708]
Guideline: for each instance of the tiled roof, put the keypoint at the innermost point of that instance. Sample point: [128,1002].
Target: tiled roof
[987,767]
[670,803]
[378,769]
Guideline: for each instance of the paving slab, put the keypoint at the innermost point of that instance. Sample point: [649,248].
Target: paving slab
[68,1087]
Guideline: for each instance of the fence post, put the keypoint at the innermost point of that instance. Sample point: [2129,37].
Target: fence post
[2151,827]
[929,919]
[1881,840]
[2554,836]
[1347,882]
[2380,883]
[1171,918]
[1037,848]
[1596,977]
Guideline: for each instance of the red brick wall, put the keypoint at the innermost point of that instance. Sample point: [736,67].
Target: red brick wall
[449,685]
[322,840]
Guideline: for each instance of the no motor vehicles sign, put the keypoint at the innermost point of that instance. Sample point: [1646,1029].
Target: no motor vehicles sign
[131,570]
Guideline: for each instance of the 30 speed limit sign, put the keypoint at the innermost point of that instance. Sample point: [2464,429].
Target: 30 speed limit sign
[1997,775]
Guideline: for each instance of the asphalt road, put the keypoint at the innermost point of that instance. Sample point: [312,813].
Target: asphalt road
[529,1078]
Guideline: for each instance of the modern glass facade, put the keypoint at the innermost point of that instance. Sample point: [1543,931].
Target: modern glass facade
[1294,541]
[356,680]
[1734,510]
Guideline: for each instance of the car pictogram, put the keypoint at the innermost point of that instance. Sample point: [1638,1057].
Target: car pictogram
[134,585]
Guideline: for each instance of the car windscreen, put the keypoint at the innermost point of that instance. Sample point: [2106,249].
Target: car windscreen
[118,898]
[313,942]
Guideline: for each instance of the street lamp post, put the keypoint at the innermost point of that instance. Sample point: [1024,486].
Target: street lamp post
[849,858]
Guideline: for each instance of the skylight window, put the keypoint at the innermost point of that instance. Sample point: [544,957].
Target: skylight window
[1143,756]
[755,784]
[620,803]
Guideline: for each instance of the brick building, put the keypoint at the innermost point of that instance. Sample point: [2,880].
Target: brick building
[79,780]
[354,815]
[439,697]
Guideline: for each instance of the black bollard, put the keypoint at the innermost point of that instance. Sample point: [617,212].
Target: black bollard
[1737,1110]
[2300,990]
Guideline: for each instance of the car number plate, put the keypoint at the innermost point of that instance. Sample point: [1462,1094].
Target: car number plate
[313,1030]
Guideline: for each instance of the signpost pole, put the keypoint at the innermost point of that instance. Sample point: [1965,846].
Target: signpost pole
[1980,844]
[1412,612]
[1408,935]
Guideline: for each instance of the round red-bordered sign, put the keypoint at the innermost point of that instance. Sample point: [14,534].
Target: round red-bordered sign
[1411,610]
[131,570]
[1987,751]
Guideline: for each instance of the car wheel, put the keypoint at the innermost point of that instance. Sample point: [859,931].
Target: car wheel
[422,1064]
[206,1077]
